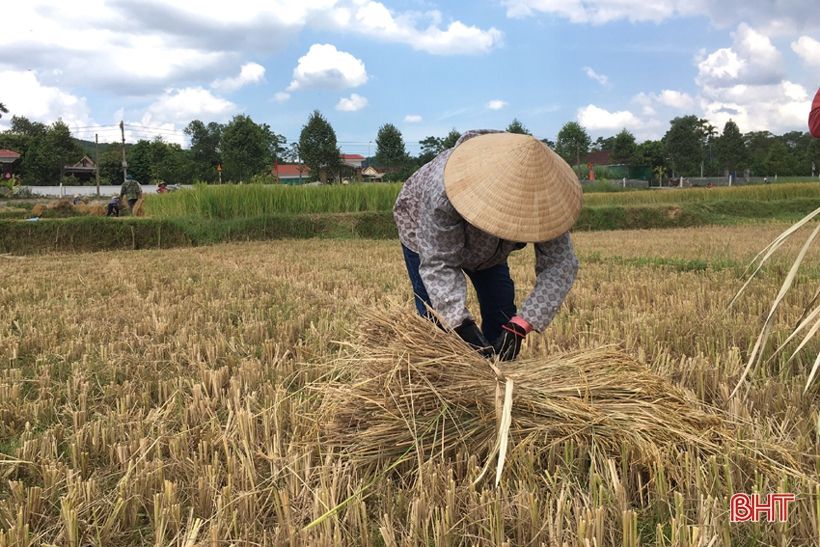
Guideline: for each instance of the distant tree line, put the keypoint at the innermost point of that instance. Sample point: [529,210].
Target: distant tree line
[693,147]
[247,151]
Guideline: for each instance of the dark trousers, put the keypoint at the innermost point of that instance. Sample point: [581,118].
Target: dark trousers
[131,203]
[113,210]
[494,287]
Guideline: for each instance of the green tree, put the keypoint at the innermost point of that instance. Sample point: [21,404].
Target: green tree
[3,110]
[205,149]
[710,134]
[757,147]
[684,141]
[62,146]
[730,148]
[624,147]
[572,142]
[777,159]
[317,146]
[430,148]
[170,163]
[276,144]
[140,158]
[25,127]
[46,150]
[652,154]
[517,127]
[111,164]
[798,144]
[549,143]
[291,153]
[451,139]
[813,156]
[245,150]
[390,149]
[602,144]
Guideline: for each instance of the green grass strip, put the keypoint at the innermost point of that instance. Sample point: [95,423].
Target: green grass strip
[101,233]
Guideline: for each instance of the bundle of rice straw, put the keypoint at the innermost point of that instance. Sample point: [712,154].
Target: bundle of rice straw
[91,209]
[409,387]
[62,204]
[138,210]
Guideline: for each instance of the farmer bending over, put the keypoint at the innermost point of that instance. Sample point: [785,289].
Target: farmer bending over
[466,211]
[113,207]
[132,190]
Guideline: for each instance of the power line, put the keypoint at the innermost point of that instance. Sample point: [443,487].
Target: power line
[153,128]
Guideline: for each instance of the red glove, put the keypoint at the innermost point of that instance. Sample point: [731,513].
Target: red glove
[508,344]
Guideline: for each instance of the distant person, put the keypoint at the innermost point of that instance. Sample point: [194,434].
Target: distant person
[162,187]
[814,116]
[113,207]
[132,191]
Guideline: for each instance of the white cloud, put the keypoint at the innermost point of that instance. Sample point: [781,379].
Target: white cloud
[781,17]
[413,118]
[87,43]
[595,118]
[676,99]
[776,107]
[670,98]
[808,49]
[184,105]
[600,78]
[25,95]
[374,19]
[598,11]
[249,73]
[140,47]
[747,83]
[325,66]
[752,59]
[354,103]
[496,104]
[281,96]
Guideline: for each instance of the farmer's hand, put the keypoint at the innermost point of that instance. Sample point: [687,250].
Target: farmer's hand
[508,343]
[470,333]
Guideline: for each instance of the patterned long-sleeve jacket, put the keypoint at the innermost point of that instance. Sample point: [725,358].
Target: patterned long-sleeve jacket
[131,189]
[447,244]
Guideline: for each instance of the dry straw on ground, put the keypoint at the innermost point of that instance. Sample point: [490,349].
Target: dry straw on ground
[66,207]
[411,388]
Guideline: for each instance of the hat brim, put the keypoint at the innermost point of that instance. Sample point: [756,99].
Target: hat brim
[513,187]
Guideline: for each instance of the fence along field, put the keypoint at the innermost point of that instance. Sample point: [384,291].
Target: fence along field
[180,399]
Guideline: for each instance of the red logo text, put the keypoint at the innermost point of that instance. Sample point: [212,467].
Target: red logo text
[754,507]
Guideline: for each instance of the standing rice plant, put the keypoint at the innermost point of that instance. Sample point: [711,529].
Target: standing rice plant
[256,200]
[752,192]
[811,317]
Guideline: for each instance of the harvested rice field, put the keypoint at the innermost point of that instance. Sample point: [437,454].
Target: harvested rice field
[284,393]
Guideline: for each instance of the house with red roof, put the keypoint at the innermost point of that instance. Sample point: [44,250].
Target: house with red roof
[7,159]
[352,160]
[293,173]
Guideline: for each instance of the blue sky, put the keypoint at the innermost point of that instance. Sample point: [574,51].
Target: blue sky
[425,66]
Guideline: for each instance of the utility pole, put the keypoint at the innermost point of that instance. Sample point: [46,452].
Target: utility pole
[124,163]
[97,161]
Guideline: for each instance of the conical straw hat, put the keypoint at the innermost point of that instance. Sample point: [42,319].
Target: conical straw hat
[513,187]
